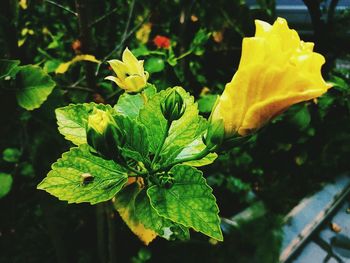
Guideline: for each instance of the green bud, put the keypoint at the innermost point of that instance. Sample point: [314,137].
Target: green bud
[104,135]
[215,134]
[173,107]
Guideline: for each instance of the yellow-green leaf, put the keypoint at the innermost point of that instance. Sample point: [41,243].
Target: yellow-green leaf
[62,68]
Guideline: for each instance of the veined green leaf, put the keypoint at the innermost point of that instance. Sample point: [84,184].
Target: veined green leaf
[72,120]
[182,132]
[80,176]
[162,226]
[130,104]
[136,145]
[34,86]
[194,148]
[7,66]
[188,201]
[124,203]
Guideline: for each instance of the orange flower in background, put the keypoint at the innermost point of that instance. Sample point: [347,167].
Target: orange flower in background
[76,45]
[276,70]
[161,42]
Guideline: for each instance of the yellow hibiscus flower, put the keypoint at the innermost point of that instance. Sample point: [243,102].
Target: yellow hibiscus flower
[131,75]
[276,70]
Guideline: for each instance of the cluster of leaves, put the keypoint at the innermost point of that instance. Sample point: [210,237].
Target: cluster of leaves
[167,199]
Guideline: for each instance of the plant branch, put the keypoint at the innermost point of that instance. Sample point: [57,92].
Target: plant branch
[131,169]
[120,45]
[98,20]
[112,241]
[331,11]
[78,88]
[86,41]
[62,7]
[101,238]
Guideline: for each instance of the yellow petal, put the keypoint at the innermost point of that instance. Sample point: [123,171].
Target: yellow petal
[261,27]
[132,64]
[119,68]
[262,112]
[135,83]
[117,81]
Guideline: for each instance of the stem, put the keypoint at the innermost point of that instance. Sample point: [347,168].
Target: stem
[112,241]
[78,88]
[160,146]
[139,173]
[9,24]
[53,227]
[119,46]
[102,17]
[62,7]
[86,42]
[331,11]
[184,55]
[101,242]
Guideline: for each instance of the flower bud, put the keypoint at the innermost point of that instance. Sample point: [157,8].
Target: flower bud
[104,135]
[215,134]
[99,120]
[173,106]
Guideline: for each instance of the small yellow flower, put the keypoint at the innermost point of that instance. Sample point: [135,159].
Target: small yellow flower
[131,75]
[99,120]
[143,33]
[276,70]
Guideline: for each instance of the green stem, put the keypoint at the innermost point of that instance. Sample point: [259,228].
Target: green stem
[184,55]
[160,146]
[139,173]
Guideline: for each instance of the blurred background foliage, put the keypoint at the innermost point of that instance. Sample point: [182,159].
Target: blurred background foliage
[194,44]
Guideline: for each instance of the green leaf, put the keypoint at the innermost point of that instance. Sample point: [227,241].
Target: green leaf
[5,184]
[154,64]
[189,201]
[130,104]
[11,155]
[34,86]
[150,219]
[66,179]
[51,65]
[199,40]
[182,132]
[136,145]
[206,103]
[7,66]
[340,83]
[124,203]
[194,148]
[301,117]
[72,120]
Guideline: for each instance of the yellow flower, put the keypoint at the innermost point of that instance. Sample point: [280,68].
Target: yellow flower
[143,33]
[276,70]
[130,73]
